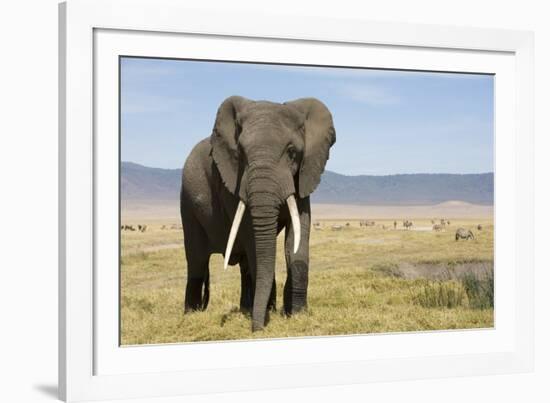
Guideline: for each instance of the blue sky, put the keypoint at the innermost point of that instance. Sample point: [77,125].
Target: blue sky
[387,122]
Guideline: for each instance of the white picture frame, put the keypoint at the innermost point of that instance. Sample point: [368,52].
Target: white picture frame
[92,366]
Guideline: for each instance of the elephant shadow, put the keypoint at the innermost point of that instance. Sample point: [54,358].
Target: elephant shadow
[231,313]
[235,311]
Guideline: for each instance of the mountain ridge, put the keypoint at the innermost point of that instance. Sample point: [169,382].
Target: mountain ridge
[139,182]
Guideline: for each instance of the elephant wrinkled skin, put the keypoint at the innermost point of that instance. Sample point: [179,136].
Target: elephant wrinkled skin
[252,178]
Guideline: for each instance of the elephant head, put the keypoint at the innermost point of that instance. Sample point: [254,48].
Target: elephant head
[269,154]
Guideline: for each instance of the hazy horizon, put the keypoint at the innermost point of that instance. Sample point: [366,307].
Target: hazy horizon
[339,173]
[388,122]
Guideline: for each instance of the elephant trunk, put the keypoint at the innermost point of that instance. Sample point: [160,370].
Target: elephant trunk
[264,200]
[264,222]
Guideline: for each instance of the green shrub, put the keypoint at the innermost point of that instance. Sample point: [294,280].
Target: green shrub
[480,291]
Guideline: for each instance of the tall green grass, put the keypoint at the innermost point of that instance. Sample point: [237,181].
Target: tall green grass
[441,294]
[470,291]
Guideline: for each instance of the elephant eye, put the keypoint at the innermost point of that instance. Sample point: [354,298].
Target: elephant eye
[291,152]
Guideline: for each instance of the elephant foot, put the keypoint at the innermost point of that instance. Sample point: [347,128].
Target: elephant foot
[294,302]
[197,294]
[246,309]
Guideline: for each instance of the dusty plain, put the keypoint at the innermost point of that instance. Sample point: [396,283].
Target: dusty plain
[381,278]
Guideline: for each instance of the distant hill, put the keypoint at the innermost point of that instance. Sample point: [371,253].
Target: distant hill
[143,183]
[139,182]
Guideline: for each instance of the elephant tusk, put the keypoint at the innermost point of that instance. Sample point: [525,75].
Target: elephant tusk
[233,233]
[293,209]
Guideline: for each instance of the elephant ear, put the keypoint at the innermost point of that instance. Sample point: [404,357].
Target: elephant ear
[319,137]
[224,139]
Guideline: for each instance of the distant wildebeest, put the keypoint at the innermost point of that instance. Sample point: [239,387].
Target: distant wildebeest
[127,227]
[316,224]
[448,222]
[437,227]
[462,233]
[407,224]
[142,228]
[347,224]
[163,227]
[479,227]
[336,227]
[395,225]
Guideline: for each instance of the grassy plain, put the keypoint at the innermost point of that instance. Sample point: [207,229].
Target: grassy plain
[362,280]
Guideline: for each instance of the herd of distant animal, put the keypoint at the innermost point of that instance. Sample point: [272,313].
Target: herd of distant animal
[461,233]
[140,228]
[143,228]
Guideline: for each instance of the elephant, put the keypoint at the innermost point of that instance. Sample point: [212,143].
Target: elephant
[461,233]
[243,185]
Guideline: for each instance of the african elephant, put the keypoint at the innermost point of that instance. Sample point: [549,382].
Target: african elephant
[243,185]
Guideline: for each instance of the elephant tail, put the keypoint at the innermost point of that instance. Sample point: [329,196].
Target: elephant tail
[206,295]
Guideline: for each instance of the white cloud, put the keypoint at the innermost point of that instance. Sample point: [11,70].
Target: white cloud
[369,94]
[361,73]
[146,68]
[136,103]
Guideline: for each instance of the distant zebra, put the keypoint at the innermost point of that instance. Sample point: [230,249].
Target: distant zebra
[407,224]
[366,223]
[462,233]
[336,227]
[437,227]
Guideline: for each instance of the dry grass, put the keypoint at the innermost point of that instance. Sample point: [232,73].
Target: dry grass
[354,286]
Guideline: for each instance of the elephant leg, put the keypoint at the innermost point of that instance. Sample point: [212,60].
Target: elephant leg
[197,254]
[295,290]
